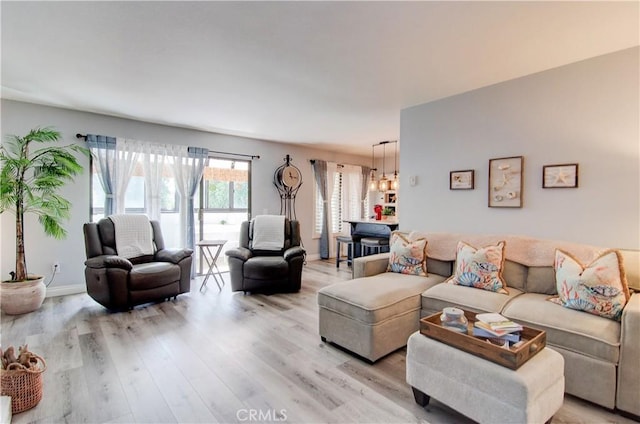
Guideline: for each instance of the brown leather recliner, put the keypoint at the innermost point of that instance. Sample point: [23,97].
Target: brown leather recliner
[118,283]
[265,270]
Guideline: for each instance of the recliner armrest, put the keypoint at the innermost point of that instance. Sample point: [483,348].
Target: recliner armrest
[292,252]
[241,253]
[172,255]
[108,261]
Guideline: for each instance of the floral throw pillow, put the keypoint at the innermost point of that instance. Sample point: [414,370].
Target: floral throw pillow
[408,256]
[599,288]
[480,268]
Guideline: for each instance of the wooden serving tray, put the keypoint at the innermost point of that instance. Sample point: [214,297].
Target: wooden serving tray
[514,357]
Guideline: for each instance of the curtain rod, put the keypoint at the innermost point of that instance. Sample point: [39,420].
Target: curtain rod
[84,136]
[312,161]
[236,154]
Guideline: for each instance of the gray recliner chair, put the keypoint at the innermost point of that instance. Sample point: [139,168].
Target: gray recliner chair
[265,270]
[118,283]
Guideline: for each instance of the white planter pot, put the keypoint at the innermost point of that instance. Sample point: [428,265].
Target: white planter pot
[23,297]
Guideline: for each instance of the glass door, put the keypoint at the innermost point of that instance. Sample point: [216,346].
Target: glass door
[225,199]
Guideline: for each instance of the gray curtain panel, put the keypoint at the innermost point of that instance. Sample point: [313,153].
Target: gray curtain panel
[200,157]
[320,174]
[103,152]
[366,171]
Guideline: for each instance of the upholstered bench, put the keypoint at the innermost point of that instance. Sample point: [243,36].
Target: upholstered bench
[482,390]
[372,316]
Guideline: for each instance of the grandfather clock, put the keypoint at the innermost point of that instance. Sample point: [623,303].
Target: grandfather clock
[287,178]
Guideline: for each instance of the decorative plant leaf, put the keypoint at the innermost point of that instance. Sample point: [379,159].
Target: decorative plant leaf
[29,181]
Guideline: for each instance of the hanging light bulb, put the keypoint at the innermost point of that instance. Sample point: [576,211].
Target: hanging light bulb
[395,183]
[383,184]
[373,184]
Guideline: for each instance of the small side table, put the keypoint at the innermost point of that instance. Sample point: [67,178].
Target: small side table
[211,258]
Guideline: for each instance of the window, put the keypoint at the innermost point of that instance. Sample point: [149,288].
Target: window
[345,202]
[135,196]
[226,186]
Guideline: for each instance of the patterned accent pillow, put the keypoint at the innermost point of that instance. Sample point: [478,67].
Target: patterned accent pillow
[600,288]
[408,256]
[480,268]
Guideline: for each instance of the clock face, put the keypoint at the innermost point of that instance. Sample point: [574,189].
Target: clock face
[291,176]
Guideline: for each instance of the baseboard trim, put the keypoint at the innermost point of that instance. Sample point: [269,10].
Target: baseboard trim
[313,257]
[66,290]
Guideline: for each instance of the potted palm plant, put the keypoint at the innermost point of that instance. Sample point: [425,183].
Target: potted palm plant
[33,170]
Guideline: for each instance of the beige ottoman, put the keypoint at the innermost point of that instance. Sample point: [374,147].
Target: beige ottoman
[372,316]
[482,390]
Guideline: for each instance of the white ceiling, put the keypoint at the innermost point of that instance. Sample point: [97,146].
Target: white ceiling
[333,74]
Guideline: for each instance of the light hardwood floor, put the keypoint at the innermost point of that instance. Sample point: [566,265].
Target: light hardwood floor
[220,357]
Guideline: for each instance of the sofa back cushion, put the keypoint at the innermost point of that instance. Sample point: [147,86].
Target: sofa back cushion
[515,275]
[443,268]
[541,279]
[532,256]
[631,262]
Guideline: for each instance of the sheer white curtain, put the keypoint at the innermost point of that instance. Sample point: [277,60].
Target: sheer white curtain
[153,160]
[344,184]
[189,163]
[351,194]
[127,152]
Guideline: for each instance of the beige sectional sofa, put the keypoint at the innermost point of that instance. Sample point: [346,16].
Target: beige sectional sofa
[375,313]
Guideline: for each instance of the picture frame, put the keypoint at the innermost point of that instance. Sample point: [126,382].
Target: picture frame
[390,197]
[563,175]
[505,182]
[461,180]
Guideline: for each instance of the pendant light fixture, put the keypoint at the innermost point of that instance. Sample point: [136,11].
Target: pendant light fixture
[373,184]
[395,183]
[383,184]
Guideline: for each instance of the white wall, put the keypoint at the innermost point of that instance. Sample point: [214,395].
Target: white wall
[18,118]
[586,112]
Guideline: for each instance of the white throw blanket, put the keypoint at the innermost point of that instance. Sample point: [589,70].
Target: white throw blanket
[268,232]
[134,236]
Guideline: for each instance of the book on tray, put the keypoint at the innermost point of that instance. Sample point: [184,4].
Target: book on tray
[481,332]
[497,323]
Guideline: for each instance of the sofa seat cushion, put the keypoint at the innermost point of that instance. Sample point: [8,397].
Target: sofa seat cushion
[153,274]
[572,330]
[266,268]
[441,296]
[377,298]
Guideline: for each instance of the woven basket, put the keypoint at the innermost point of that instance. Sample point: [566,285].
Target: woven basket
[24,385]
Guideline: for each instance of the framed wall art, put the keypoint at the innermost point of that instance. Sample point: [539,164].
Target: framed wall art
[461,180]
[505,182]
[560,176]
